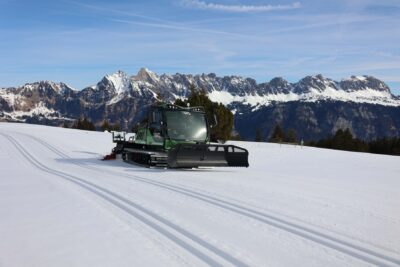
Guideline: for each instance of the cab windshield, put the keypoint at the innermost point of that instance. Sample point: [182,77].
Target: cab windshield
[185,125]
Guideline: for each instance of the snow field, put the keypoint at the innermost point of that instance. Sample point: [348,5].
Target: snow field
[293,206]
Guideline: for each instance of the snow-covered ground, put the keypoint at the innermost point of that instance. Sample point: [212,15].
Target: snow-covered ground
[61,206]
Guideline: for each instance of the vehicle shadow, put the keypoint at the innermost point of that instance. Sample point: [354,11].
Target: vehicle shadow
[118,163]
[86,152]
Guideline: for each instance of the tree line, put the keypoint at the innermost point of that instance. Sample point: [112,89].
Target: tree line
[341,140]
[344,140]
[85,124]
[278,135]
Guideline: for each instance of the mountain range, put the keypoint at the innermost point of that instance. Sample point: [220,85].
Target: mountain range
[315,106]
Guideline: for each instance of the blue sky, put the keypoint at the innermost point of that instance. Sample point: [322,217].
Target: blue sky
[78,42]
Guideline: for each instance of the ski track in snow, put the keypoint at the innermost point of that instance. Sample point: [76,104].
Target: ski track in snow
[304,232]
[191,192]
[124,203]
[198,245]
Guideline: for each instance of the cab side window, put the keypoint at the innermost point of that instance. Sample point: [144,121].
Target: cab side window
[156,117]
[156,126]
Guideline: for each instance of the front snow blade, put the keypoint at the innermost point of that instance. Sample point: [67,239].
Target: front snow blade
[210,155]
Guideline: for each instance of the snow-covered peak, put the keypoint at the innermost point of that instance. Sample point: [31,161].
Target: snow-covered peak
[362,78]
[356,78]
[43,87]
[66,86]
[146,85]
[278,82]
[316,83]
[146,75]
[120,81]
[365,82]
[236,80]
[112,88]
[275,86]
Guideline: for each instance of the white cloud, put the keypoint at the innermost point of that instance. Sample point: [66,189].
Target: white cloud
[180,27]
[238,8]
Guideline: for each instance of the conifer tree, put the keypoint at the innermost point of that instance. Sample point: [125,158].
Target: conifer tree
[291,136]
[343,140]
[105,126]
[236,137]
[278,135]
[116,127]
[180,102]
[258,137]
[84,124]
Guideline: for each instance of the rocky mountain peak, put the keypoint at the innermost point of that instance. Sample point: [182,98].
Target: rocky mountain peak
[44,88]
[278,82]
[316,83]
[113,85]
[41,85]
[365,82]
[145,75]
[120,80]
[277,85]
[212,75]
[119,74]
[124,99]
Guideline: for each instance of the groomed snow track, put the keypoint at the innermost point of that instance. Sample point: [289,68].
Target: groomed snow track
[206,252]
[159,224]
